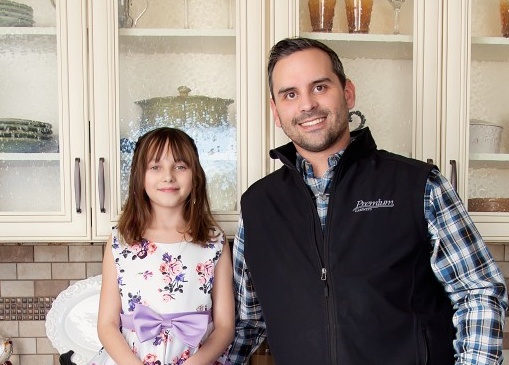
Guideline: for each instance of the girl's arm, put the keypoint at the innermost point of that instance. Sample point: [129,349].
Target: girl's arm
[108,321]
[223,313]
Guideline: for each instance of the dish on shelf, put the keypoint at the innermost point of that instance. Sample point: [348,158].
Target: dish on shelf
[185,110]
[24,17]
[17,6]
[488,205]
[14,14]
[28,145]
[484,136]
[27,122]
[13,21]
[26,136]
[5,127]
[71,321]
[23,134]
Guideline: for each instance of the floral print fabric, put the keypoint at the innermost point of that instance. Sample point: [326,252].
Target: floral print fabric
[168,278]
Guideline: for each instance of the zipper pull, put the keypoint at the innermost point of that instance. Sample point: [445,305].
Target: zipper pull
[324,274]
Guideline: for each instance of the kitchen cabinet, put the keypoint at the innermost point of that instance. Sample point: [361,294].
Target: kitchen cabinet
[419,89]
[106,66]
[477,67]
[43,182]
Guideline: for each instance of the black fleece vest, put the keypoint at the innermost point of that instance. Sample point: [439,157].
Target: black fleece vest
[363,291]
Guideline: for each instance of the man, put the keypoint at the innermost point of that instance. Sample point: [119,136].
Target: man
[351,255]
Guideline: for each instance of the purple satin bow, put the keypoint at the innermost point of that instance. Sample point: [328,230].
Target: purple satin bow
[189,327]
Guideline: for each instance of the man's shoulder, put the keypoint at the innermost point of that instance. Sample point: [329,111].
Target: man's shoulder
[267,183]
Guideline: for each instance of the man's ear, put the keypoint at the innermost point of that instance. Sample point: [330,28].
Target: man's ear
[275,114]
[349,92]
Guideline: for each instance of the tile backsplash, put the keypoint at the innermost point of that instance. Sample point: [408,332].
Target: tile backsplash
[31,277]
[33,274]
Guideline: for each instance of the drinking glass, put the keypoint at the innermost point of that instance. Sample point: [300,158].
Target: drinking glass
[504,17]
[396,6]
[321,13]
[358,15]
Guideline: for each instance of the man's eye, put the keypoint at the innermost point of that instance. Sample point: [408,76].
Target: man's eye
[320,88]
[291,96]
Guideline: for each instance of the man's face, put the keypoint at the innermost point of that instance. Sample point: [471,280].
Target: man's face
[310,105]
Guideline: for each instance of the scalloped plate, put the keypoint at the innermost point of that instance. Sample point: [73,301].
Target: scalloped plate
[71,321]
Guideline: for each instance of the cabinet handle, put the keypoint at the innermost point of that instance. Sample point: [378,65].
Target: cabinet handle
[77,184]
[454,175]
[101,185]
[430,161]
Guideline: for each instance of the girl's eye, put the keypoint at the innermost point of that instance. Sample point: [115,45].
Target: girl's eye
[154,167]
[181,167]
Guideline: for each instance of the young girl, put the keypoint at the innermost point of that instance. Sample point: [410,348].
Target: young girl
[167,270]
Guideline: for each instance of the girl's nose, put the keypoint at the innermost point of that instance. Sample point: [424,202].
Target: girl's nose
[168,175]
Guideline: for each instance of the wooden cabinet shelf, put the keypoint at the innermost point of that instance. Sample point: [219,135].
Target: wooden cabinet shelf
[373,46]
[178,40]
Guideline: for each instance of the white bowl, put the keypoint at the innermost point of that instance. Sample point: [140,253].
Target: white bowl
[484,136]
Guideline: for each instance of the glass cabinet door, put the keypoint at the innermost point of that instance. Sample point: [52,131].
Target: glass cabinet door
[488,122]
[182,64]
[41,175]
[177,68]
[386,68]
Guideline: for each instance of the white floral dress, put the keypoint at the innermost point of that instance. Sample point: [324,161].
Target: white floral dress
[167,278]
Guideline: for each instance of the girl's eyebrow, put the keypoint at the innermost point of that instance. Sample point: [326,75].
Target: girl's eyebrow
[284,90]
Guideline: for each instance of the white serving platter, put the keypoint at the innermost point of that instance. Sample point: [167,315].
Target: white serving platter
[71,321]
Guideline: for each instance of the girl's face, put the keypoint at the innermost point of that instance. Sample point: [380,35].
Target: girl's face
[168,183]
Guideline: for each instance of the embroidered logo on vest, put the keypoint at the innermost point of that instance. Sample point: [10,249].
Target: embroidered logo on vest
[369,205]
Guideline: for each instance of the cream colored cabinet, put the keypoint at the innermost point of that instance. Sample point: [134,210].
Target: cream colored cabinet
[43,121]
[476,69]
[117,73]
[397,76]
[420,88]
[196,65]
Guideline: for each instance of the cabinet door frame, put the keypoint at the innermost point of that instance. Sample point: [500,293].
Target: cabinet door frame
[456,106]
[250,109]
[70,223]
[427,70]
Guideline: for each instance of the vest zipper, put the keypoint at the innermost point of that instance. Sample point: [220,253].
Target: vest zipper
[324,279]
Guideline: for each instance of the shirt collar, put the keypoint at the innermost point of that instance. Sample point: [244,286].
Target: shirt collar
[305,168]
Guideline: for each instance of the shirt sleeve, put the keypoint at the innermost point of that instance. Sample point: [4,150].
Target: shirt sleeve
[249,323]
[463,264]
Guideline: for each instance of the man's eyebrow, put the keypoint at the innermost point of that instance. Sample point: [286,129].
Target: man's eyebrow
[291,88]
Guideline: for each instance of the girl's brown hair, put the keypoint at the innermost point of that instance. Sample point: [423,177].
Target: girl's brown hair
[137,212]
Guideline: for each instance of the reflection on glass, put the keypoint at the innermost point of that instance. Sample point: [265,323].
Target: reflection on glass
[171,80]
[206,120]
[30,165]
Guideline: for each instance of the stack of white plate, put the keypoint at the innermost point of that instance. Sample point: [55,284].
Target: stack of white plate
[23,135]
[13,14]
